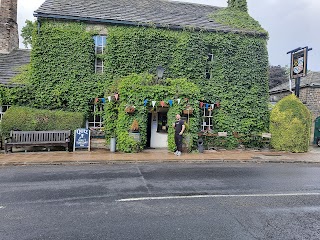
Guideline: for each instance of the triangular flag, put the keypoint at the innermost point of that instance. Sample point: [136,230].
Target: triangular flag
[170,103]
[178,100]
[162,103]
[153,103]
[116,96]
[212,106]
[109,98]
[207,105]
[96,100]
[218,104]
[201,104]
[103,100]
[145,102]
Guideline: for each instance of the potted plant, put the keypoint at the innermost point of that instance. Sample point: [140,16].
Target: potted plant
[134,126]
[134,130]
[188,110]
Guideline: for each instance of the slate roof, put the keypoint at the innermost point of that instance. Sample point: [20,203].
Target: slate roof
[10,63]
[311,80]
[162,13]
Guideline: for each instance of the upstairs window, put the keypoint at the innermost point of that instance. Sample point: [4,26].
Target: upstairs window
[209,65]
[100,43]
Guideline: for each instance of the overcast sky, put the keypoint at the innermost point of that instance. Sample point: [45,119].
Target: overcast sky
[290,23]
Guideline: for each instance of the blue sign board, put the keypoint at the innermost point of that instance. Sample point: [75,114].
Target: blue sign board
[81,138]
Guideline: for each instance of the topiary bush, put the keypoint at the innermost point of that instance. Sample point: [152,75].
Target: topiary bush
[290,125]
[30,119]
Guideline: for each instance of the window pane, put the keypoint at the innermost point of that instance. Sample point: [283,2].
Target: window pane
[104,41]
[99,69]
[99,62]
[99,50]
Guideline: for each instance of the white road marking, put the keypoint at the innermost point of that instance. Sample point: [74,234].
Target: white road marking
[218,196]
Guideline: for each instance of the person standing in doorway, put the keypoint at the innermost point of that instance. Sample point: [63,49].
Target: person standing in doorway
[179,129]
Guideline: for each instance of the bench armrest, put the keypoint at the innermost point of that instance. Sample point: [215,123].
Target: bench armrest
[6,140]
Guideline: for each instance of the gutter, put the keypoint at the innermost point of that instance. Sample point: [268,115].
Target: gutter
[140,24]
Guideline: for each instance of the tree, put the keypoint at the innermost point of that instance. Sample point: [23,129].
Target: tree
[27,31]
[278,75]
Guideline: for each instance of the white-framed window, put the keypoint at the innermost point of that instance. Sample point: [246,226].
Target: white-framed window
[95,119]
[100,43]
[3,109]
[207,121]
[209,64]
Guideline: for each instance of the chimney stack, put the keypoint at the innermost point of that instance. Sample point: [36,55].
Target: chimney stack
[9,38]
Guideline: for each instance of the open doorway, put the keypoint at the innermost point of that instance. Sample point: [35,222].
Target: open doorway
[157,133]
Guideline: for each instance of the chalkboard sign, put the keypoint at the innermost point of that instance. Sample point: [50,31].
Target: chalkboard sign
[81,138]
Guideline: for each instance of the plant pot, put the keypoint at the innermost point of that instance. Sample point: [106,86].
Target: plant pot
[188,111]
[136,136]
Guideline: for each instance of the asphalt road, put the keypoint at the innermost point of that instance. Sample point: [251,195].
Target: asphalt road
[160,201]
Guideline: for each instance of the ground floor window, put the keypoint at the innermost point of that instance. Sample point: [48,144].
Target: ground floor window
[3,109]
[95,118]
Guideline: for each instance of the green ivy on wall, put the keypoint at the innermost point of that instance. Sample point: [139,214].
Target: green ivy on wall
[62,72]
[238,18]
[133,90]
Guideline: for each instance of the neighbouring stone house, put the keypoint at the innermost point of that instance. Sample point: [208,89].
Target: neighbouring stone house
[81,48]
[309,93]
[11,57]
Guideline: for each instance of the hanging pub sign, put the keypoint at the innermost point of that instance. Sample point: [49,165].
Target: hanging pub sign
[81,138]
[299,64]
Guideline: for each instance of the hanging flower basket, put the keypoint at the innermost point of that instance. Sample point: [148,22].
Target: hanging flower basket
[188,110]
[130,109]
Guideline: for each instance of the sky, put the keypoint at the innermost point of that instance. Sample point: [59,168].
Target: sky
[290,23]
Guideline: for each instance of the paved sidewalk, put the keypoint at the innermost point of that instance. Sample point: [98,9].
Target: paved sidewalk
[156,155]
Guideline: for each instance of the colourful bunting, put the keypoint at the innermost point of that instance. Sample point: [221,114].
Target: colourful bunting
[170,103]
[154,103]
[201,104]
[96,100]
[178,100]
[109,98]
[116,96]
[103,100]
[162,103]
[145,102]
[207,105]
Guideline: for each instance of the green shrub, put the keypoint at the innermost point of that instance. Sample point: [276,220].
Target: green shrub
[290,125]
[30,119]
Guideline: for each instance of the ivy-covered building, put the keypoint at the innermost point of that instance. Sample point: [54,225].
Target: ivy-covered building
[85,49]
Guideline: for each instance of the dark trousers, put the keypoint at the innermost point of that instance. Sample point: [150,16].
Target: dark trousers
[178,141]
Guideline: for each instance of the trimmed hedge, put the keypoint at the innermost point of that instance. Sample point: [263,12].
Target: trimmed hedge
[290,125]
[30,119]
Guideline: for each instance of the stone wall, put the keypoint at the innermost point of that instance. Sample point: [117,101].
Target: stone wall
[9,38]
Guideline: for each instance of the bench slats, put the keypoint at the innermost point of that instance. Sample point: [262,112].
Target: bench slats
[39,138]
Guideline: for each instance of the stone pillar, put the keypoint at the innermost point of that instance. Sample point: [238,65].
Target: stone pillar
[9,38]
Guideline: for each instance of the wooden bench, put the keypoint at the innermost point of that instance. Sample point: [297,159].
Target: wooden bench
[37,138]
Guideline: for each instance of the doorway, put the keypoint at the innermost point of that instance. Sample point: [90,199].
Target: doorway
[157,132]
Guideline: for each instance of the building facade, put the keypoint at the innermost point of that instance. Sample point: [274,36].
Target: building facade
[83,47]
